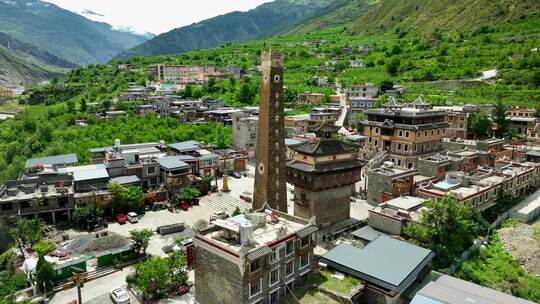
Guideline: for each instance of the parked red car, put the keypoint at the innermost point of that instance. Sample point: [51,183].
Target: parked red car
[184,206]
[121,218]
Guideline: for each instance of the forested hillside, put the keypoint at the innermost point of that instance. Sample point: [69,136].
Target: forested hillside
[263,21]
[426,16]
[424,64]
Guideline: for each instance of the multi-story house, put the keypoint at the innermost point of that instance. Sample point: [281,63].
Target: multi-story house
[252,258]
[480,189]
[362,96]
[245,131]
[405,132]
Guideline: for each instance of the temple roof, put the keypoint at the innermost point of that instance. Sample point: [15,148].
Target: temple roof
[324,126]
[326,167]
[324,147]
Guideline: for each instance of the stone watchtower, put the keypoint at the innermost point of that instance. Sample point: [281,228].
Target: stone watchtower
[270,180]
[324,172]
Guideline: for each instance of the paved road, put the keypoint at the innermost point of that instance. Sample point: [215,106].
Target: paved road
[96,291]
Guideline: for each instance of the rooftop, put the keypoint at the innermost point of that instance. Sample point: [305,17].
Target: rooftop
[450,290]
[324,147]
[126,180]
[264,229]
[65,159]
[407,203]
[385,262]
[185,146]
[91,174]
[172,163]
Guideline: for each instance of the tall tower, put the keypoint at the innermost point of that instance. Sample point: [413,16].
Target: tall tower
[270,180]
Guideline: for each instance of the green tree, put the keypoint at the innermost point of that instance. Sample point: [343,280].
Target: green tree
[27,231]
[128,198]
[140,239]
[82,214]
[392,67]
[84,107]
[189,194]
[45,276]
[177,261]
[153,277]
[480,124]
[43,247]
[446,227]
[499,118]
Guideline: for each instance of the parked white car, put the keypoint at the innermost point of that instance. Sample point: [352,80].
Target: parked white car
[133,217]
[119,296]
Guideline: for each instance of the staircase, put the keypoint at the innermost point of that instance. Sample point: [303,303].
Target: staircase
[375,160]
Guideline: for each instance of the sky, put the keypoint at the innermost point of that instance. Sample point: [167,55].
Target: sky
[155,16]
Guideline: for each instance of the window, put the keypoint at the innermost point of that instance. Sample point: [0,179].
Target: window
[304,260]
[255,266]
[25,205]
[399,147]
[304,242]
[407,134]
[7,206]
[274,277]
[151,170]
[289,248]
[254,288]
[274,255]
[289,269]
[400,133]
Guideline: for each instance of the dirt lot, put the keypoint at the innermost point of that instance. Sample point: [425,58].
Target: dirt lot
[522,241]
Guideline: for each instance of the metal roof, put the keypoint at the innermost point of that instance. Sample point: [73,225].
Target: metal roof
[172,162]
[90,174]
[367,233]
[52,160]
[450,290]
[124,180]
[186,146]
[385,262]
[421,299]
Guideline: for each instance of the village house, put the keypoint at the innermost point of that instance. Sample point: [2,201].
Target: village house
[405,132]
[310,99]
[253,258]
[245,131]
[361,97]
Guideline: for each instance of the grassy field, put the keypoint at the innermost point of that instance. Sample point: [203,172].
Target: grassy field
[494,267]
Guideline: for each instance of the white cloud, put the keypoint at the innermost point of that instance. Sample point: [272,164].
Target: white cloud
[156,16]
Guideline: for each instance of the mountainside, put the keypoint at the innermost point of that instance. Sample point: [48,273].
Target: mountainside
[64,34]
[32,53]
[263,21]
[15,69]
[338,13]
[426,16]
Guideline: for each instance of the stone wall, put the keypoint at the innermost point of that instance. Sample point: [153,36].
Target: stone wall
[217,280]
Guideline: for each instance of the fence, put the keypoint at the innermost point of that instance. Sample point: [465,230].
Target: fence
[476,246]
[108,258]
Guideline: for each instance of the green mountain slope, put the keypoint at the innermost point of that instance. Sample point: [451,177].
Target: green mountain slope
[62,33]
[263,21]
[338,13]
[426,16]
